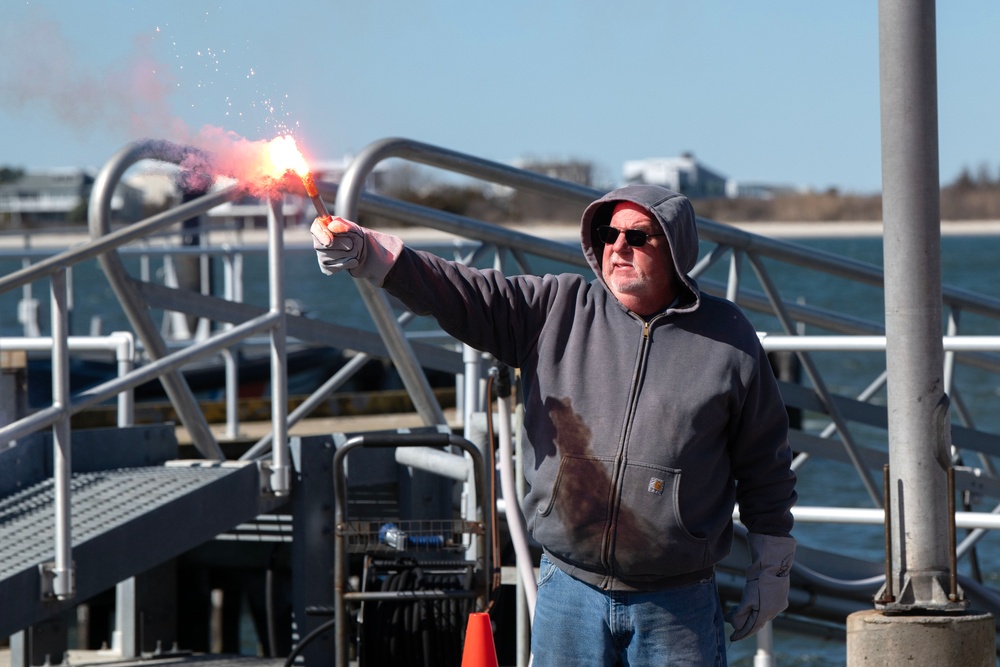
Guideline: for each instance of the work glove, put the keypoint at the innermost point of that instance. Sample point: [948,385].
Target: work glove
[765,594]
[341,244]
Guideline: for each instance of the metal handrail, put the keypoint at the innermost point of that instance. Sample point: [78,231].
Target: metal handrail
[121,343]
[351,199]
[739,245]
[59,580]
[726,238]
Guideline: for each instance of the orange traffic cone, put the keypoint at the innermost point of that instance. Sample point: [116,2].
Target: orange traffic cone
[479,650]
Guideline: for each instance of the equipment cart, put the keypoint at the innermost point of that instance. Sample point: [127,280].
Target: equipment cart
[419,579]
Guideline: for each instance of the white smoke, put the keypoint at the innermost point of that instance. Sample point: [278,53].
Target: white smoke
[40,73]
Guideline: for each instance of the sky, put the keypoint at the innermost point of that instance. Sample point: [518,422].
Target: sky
[778,92]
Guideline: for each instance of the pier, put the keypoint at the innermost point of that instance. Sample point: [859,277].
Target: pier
[228,492]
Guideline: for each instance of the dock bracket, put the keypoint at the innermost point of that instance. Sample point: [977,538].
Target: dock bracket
[57,584]
[274,482]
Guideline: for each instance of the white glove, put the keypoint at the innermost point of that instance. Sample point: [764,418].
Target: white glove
[765,594]
[341,244]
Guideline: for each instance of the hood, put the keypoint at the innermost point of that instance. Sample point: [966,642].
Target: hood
[673,211]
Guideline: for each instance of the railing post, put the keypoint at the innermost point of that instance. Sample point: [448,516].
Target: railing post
[59,576]
[733,285]
[125,356]
[280,468]
[233,277]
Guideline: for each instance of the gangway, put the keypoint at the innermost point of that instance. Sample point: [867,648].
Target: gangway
[842,425]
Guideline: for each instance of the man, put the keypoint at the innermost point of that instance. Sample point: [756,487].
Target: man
[650,409]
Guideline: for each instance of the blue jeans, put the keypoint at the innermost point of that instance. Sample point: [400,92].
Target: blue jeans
[577,624]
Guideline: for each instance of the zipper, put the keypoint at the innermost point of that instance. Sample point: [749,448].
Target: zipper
[620,458]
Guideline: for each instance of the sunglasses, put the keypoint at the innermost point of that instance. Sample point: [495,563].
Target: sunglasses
[634,237]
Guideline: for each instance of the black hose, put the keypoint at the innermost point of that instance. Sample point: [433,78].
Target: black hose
[308,638]
[424,632]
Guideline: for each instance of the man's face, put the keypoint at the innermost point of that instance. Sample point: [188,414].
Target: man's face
[642,278]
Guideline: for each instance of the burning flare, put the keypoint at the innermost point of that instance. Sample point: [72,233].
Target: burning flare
[285,156]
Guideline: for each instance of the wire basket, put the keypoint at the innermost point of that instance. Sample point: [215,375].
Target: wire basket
[393,536]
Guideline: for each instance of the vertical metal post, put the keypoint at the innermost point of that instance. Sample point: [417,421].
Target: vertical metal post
[764,657]
[472,402]
[125,356]
[125,640]
[280,467]
[733,285]
[63,585]
[233,288]
[913,322]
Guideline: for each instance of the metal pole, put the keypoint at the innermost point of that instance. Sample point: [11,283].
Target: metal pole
[472,362]
[230,355]
[918,423]
[280,469]
[125,356]
[62,571]
[764,657]
[733,285]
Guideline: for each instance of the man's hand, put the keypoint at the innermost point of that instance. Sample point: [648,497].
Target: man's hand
[765,594]
[341,244]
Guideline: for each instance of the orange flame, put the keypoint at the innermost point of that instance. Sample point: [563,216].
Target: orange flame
[286,156]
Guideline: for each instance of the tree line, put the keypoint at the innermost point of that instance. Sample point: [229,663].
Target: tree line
[971,196]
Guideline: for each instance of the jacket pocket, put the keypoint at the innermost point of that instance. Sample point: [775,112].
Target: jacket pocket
[651,539]
[574,521]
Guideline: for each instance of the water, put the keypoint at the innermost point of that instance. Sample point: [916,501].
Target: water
[967,262]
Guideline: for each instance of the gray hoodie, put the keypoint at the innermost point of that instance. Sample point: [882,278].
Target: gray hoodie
[641,434]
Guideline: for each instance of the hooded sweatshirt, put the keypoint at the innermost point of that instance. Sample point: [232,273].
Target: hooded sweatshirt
[640,433]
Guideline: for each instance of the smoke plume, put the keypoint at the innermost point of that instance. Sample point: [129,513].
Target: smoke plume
[40,73]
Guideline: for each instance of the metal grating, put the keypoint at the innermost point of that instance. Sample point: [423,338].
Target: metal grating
[100,501]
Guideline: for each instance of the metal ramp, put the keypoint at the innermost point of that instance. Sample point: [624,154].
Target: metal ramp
[129,513]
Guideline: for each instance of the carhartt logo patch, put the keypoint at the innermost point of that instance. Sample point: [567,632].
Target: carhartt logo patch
[655,486]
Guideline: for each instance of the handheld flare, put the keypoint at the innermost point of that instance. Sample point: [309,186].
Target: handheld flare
[285,156]
[313,192]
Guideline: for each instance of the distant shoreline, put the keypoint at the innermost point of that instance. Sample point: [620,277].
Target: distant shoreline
[560,231]
[871,228]
[788,230]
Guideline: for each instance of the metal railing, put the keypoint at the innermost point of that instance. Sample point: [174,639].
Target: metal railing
[727,252]
[60,578]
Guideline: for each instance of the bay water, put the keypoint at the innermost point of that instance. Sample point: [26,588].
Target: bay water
[968,262]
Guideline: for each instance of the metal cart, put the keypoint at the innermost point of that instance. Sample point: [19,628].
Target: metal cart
[400,551]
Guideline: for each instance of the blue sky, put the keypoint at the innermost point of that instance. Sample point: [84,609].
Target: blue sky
[781,92]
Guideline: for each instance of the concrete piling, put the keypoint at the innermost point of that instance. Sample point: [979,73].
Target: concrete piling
[875,639]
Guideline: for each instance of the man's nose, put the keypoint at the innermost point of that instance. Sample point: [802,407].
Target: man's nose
[620,245]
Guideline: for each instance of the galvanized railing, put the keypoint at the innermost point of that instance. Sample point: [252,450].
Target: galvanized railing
[507,245]
[164,366]
[514,251]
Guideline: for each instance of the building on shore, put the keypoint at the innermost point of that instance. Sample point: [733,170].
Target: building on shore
[56,197]
[682,174]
